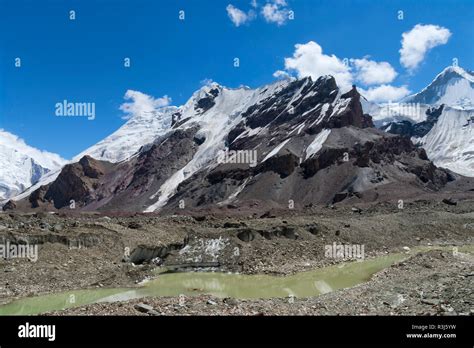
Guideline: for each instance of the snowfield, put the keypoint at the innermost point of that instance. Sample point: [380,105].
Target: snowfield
[22,165]
[450,143]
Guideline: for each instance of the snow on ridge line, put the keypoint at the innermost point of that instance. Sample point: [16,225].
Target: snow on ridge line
[454,90]
[458,70]
[45,159]
[215,123]
[138,131]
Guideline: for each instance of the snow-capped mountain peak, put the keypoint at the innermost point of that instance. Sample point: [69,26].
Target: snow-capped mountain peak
[456,70]
[454,87]
[441,119]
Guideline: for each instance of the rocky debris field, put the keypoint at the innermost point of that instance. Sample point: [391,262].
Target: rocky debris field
[85,251]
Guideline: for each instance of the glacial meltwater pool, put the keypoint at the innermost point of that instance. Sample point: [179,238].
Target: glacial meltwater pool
[303,284]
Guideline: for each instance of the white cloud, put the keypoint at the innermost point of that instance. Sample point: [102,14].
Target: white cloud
[254,3]
[385,93]
[418,41]
[206,82]
[239,17]
[142,103]
[280,74]
[309,60]
[370,72]
[276,11]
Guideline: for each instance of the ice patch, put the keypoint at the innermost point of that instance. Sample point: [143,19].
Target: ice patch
[317,143]
[276,150]
[207,250]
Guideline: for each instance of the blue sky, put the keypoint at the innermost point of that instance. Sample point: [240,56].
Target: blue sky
[82,60]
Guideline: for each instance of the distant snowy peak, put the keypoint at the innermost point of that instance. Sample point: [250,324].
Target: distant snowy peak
[454,86]
[22,165]
[447,135]
[43,158]
[440,118]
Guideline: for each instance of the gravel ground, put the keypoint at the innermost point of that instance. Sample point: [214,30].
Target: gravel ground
[87,250]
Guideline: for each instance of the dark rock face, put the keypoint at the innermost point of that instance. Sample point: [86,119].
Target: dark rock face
[418,130]
[175,118]
[429,174]
[283,164]
[344,158]
[90,167]
[422,128]
[75,182]
[145,254]
[275,109]
[404,128]
[10,205]
[384,150]
[207,102]
[233,173]
[214,92]
[135,181]
[178,149]
[99,185]
[353,114]
[234,133]
[325,158]
[37,196]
